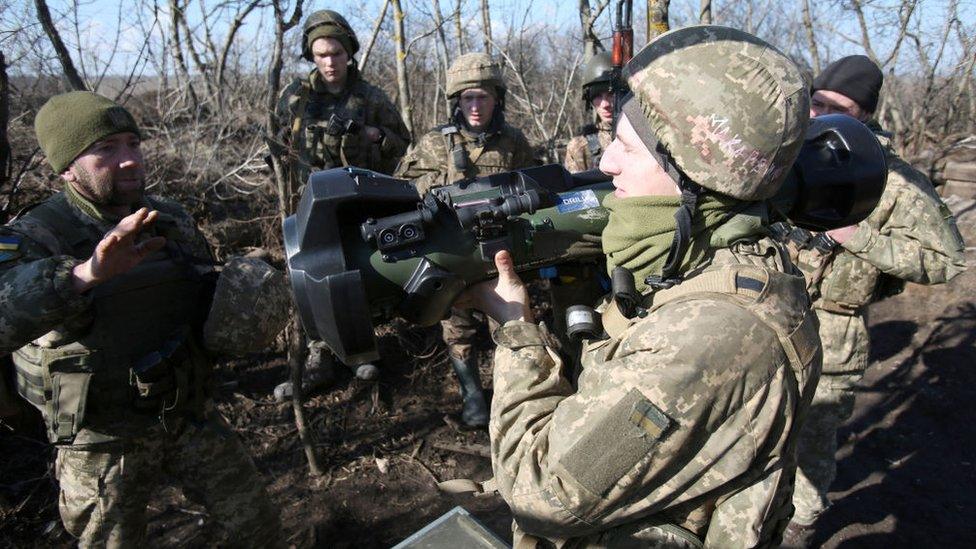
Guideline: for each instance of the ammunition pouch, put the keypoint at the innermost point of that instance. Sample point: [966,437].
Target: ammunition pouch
[339,125]
[58,382]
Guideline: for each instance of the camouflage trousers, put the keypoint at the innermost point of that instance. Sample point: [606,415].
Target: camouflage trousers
[459,331]
[104,494]
[845,345]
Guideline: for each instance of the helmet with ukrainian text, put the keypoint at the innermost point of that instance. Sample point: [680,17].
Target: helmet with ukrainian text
[726,108]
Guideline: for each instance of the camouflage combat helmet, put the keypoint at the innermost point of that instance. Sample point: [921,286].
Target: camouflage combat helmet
[729,109]
[597,75]
[250,308]
[328,24]
[474,70]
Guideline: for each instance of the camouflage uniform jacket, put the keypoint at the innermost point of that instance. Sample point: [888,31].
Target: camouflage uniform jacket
[303,113]
[41,312]
[429,162]
[682,429]
[910,235]
[579,150]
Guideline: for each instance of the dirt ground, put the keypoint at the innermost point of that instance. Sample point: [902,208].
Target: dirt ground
[906,466]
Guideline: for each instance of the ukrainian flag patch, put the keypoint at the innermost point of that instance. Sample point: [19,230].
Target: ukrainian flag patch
[9,248]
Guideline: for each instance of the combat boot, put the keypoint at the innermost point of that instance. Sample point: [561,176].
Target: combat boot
[474,407]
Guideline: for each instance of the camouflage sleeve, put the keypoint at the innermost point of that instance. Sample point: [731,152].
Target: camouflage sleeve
[575,155]
[426,162]
[911,234]
[396,137]
[36,294]
[678,412]
[284,114]
[525,156]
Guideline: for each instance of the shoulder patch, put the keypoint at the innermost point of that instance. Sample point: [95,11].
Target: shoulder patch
[618,440]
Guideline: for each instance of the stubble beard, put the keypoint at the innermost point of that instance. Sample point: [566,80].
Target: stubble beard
[105,191]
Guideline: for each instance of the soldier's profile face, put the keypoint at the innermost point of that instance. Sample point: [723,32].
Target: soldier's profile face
[603,105]
[110,172]
[634,169]
[477,105]
[831,102]
[331,59]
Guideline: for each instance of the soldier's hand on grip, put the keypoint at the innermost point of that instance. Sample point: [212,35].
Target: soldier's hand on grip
[504,298]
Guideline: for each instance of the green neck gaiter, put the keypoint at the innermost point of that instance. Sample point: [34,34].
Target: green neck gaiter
[87,207]
[91,210]
[641,229]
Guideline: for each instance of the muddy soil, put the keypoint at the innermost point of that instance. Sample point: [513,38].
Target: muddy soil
[906,465]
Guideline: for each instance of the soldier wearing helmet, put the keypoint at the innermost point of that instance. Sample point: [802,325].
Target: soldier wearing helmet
[681,431]
[332,117]
[476,142]
[328,119]
[107,313]
[583,151]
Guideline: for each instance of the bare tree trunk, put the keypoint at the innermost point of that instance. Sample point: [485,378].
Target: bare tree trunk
[486,25]
[441,35]
[657,18]
[372,37]
[458,28]
[176,49]
[442,55]
[5,161]
[588,17]
[705,12]
[811,38]
[201,65]
[225,50]
[403,84]
[67,65]
[295,341]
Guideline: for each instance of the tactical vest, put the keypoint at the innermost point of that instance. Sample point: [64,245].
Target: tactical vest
[137,362]
[467,159]
[837,280]
[327,134]
[592,135]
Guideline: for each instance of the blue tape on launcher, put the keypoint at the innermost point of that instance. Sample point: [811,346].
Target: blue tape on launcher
[577,200]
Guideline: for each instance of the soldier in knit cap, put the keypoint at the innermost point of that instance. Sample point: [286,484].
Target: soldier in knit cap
[106,310]
[910,235]
[476,142]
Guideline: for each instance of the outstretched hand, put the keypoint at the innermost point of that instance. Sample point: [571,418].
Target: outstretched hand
[118,251]
[504,298]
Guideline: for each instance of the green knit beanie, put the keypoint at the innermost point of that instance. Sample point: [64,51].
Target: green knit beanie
[69,123]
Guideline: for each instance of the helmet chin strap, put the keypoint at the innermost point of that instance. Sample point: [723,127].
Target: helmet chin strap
[683,216]
[494,125]
[690,193]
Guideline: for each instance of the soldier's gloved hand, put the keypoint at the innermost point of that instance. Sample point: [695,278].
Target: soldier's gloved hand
[504,298]
[118,251]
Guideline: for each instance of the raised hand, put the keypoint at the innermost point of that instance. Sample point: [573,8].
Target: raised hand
[118,251]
